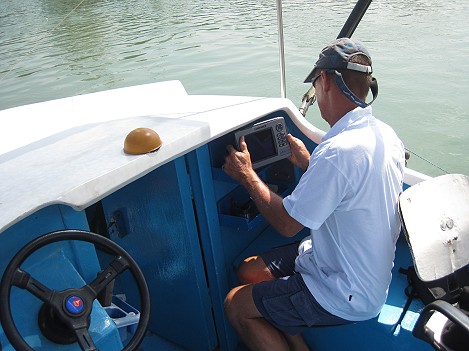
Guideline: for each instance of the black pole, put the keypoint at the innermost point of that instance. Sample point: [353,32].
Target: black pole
[347,30]
[354,18]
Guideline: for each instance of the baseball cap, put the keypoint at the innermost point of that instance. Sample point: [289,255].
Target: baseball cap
[337,55]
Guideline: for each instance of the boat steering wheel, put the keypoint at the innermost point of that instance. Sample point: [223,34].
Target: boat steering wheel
[71,308]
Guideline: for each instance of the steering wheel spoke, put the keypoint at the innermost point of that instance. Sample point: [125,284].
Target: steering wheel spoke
[116,267]
[24,280]
[84,339]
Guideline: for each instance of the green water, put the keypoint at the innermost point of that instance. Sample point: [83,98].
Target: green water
[56,48]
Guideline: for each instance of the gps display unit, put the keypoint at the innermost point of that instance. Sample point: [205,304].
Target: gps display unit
[266,141]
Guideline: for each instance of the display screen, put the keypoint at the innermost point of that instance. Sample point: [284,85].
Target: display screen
[261,145]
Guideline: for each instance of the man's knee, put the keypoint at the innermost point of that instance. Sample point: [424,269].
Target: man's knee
[253,270]
[246,272]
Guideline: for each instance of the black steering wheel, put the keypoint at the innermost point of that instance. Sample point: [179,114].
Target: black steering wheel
[71,308]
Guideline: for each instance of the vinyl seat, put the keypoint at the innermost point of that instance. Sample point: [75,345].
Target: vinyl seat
[435,221]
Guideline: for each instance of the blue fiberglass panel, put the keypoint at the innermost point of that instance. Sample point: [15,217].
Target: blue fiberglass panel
[211,242]
[158,228]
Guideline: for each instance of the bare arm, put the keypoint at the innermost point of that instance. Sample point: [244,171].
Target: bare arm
[239,167]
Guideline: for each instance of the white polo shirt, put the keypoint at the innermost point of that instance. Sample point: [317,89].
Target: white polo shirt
[348,198]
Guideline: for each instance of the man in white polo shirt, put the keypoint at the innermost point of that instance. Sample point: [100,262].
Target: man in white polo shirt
[347,197]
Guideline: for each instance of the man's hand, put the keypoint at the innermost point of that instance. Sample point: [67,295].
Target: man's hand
[299,154]
[238,164]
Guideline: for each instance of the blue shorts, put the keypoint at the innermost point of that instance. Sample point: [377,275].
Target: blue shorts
[286,302]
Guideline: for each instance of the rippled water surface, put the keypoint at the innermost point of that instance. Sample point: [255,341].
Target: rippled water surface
[55,48]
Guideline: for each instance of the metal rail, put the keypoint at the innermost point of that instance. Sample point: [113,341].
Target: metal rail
[281,48]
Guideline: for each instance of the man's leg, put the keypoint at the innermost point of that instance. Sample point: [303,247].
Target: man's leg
[254,330]
[296,342]
[253,270]
[278,262]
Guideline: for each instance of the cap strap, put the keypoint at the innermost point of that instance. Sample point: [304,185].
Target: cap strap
[360,68]
[348,93]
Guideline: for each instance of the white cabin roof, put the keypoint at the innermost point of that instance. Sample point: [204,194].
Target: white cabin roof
[70,151]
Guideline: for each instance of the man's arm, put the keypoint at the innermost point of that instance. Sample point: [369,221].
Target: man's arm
[299,154]
[239,167]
